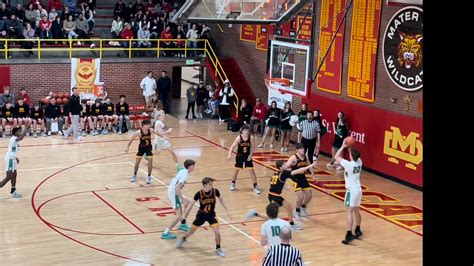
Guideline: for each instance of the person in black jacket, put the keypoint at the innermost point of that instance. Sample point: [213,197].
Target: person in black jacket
[53,114]
[163,87]
[245,112]
[37,118]
[123,113]
[8,115]
[74,108]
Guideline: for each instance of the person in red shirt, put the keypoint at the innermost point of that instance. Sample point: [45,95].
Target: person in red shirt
[45,28]
[166,34]
[25,96]
[127,34]
[259,114]
[56,4]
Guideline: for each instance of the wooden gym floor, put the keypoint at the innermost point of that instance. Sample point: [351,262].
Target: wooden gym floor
[79,207]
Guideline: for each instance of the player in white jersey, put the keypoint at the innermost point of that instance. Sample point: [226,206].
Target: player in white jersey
[11,160]
[353,197]
[270,230]
[178,201]
[161,143]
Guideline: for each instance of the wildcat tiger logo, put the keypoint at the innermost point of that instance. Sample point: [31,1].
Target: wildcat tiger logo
[403,48]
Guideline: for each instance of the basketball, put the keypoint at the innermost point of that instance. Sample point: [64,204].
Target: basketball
[349,141]
[293,120]
[65,100]
[59,101]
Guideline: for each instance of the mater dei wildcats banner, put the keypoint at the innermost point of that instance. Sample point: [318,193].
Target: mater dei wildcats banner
[85,75]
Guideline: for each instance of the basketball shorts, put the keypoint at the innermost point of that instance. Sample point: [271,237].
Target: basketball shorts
[202,217]
[353,198]
[242,163]
[142,150]
[299,183]
[10,164]
[277,199]
[174,199]
[162,144]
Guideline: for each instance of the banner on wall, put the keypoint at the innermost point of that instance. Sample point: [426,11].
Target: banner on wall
[85,75]
[330,76]
[248,32]
[363,49]
[263,35]
[305,29]
[4,77]
[392,146]
[279,98]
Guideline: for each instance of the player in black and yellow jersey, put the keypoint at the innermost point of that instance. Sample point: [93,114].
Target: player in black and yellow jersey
[96,117]
[206,213]
[299,182]
[22,114]
[243,160]
[145,148]
[8,115]
[110,118]
[37,118]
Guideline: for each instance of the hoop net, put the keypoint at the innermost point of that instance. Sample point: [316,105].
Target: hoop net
[277,83]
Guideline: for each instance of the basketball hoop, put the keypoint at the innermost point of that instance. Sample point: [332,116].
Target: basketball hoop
[277,83]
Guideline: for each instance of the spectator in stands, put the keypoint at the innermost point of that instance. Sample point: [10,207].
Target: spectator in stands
[155,28]
[144,38]
[66,13]
[28,34]
[179,30]
[163,85]
[69,28]
[259,114]
[200,99]
[120,9]
[172,13]
[54,4]
[36,3]
[158,11]
[2,25]
[14,28]
[7,116]
[245,112]
[4,11]
[179,44]
[3,35]
[45,28]
[24,95]
[138,6]
[19,12]
[226,98]
[212,99]
[128,13]
[166,34]
[148,86]
[30,14]
[156,103]
[7,96]
[143,21]
[135,27]
[82,28]
[192,36]
[40,12]
[149,6]
[127,34]
[70,4]
[342,131]
[89,16]
[117,26]
[205,32]
[53,14]
[53,114]
[91,4]
[57,29]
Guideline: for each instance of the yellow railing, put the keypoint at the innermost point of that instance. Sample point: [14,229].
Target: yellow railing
[44,46]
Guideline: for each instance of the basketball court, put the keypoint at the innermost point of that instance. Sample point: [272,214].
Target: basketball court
[80,206]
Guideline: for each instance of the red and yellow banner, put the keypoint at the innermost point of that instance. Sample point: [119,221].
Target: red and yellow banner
[263,35]
[363,49]
[330,76]
[305,32]
[248,32]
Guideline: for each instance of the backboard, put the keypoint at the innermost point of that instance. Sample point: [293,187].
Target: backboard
[239,11]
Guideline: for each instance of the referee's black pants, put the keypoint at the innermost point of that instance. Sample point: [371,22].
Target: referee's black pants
[309,145]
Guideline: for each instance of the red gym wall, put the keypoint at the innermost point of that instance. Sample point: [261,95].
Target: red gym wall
[119,78]
[389,137]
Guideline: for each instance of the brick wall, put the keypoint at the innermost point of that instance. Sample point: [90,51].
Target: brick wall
[119,78]
[253,64]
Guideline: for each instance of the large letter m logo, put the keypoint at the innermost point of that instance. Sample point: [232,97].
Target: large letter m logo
[408,148]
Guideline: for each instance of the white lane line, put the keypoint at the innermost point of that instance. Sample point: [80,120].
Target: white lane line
[196,204]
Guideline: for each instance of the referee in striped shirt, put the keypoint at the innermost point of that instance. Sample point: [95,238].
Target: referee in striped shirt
[310,132]
[283,254]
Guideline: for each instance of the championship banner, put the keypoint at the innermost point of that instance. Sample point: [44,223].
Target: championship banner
[248,33]
[85,75]
[330,76]
[363,49]
[263,35]
[305,32]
